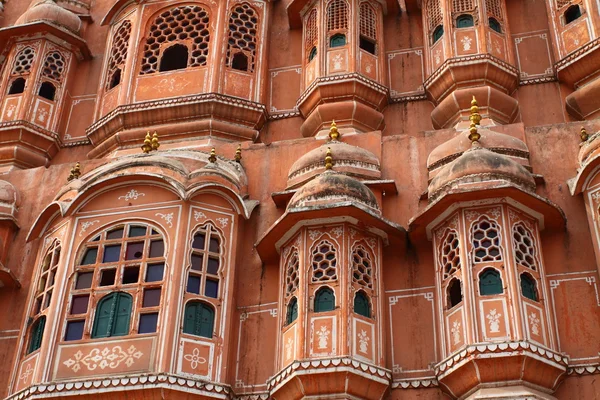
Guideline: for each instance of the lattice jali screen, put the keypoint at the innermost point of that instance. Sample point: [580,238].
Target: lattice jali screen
[460,6]
[337,15]
[563,3]
[486,241]
[434,13]
[292,274]
[23,61]
[494,8]
[368,21]
[54,66]
[324,262]
[243,28]
[450,254]
[118,52]
[362,267]
[312,30]
[524,247]
[178,25]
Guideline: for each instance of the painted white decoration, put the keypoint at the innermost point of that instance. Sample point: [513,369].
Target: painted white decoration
[456,332]
[198,215]
[534,323]
[223,221]
[363,341]
[107,358]
[132,195]
[26,374]
[323,337]
[337,231]
[466,42]
[313,234]
[438,56]
[85,225]
[194,358]
[493,318]
[337,61]
[288,348]
[167,217]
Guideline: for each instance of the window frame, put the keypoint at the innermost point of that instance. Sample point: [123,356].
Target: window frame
[482,274]
[321,291]
[198,324]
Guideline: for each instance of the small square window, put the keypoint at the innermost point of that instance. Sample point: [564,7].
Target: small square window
[90,256]
[212,288]
[74,330]
[197,262]
[193,285]
[38,305]
[151,298]
[107,277]
[135,251]
[84,280]
[157,248]
[136,231]
[80,304]
[112,253]
[148,323]
[154,272]
[131,274]
[115,234]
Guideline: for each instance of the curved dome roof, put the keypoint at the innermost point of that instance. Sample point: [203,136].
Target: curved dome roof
[351,160]
[495,141]
[333,187]
[49,11]
[478,166]
[8,193]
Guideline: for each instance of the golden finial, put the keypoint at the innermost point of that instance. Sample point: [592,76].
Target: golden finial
[147,146]
[213,156]
[238,154]
[475,116]
[328,159]
[333,132]
[155,145]
[75,172]
[583,134]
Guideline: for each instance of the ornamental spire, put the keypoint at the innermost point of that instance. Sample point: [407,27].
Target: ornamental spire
[155,145]
[474,136]
[213,156]
[238,154]
[147,146]
[334,134]
[583,134]
[328,159]
[75,172]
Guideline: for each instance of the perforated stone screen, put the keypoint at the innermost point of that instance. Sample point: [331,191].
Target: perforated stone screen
[324,262]
[434,13]
[494,8]
[450,254]
[337,15]
[118,52]
[23,61]
[54,66]
[243,28]
[292,274]
[524,246]
[362,270]
[187,25]
[312,30]
[486,241]
[459,6]
[368,21]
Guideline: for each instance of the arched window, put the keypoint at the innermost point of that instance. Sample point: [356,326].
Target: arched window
[23,61]
[495,25]
[337,15]
[490,282]
[311,35]
[464,21]
[36,335]
[524,246]
[337,40]
[173,58]
[54,66]
[118,55]
[199,319]
[529,287]
[203,275]
[17,86]
[292,311]
[113,315]
[368,28]
[242,42]
[127,261]
[450,254]
[324,300]
[362,305]
[454,293]
[362,267]
[438,32]
[324,262]
[485,237]
[572,13]
[184,25]
[292,274]
[434,14]
[47,91]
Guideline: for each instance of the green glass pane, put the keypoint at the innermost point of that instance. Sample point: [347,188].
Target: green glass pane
[37,333]
[337,40]
[464,21]
[206,318]
[90,256]
[103,318]
[189,319]
[292,311]
[528,287]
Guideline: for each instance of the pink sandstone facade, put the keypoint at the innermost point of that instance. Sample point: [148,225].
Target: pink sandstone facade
[300,199]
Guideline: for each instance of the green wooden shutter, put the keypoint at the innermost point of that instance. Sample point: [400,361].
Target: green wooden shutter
[528,287]
[490,282]
[37,333]
[120,325]
[189,321]
[324,300]
[361,305]
[292,311]
[104,315]
[206,317]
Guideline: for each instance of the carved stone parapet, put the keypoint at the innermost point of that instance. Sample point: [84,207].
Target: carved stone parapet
[26,145]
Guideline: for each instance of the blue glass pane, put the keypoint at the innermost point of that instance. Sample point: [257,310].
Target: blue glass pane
[148,323]
[154,272]
[90,256]
[135,231]
[193,285]
[212,288]
[74,330]
[157,248]
[112,253]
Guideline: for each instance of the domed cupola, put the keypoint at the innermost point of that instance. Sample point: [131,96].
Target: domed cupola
[350,160]
[49,11]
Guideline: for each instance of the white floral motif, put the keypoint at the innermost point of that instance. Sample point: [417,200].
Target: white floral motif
[42,114]
[195,358]
[534,323]
[494,318]
[167,217]
[372,242]
[198,215]
[313,234]
[10,110]
[368,68]
[438,56]
[223,221]
[353,233]
[288,348]
[337,61]
[363,342]
[85,225]
[26,374]
[456,332]
[466,42]
[131,195]
[337,231]
[496,213]
[471,215]
[323,334]
[107,358]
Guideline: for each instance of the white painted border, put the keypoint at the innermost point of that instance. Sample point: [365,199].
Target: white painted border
[210,360]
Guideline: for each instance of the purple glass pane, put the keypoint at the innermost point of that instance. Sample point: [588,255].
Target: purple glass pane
[197,262]
[212,288]
[116,234]
[214,244]
[80,304]
[84,280]
[193,285]
[213,266]
[148,323]
[112,253]
[74,330]
[154,272]
[198,242]
[134,251]
[157,248]
[151,298]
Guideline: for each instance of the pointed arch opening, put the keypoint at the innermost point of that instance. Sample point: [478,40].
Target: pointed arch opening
[438,32]
[17,86]
[199,319]
[47,91]
[362,304]
[173,58]
[465,21]
[454,295]
[490,282]
[572,14]
[324,300]
[292,311]
[529,287]
[495,24]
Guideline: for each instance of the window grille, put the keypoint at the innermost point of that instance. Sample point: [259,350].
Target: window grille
[562,3]
[524,246]
[292,311]
[54,66]
[450,254]
[362,271]
[23,61]
[312,30]
[243,30]
[183,25]
[368,21]
[486,241]
[118,55]
[461,6]
[292,276]
[494,8]
[324,262]
[529,287]
[337,15]
[203,275]
[434,13]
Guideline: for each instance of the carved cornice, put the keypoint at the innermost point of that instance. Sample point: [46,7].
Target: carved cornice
[342,78]
[576,54]
[418,383]
[584,369]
